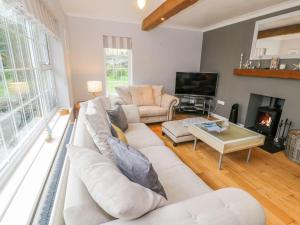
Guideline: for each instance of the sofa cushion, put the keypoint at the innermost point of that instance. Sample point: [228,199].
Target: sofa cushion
[82,137]
[124,94]
[109,188]
[157,94]
[118,133]
[98,126]
[179,181]
[78,200]
[142,95]
[117,117]
[150,111]
[136,166]
[140,136]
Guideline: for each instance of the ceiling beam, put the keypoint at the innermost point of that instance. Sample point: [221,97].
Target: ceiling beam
[166,10]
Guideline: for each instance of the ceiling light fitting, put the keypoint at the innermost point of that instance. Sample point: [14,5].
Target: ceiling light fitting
[141,3]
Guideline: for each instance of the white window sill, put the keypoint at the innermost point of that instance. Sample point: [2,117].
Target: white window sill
[21,193]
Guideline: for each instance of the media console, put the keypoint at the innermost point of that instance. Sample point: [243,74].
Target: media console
[195,104]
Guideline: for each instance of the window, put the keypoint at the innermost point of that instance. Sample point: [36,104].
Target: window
[27,90]
[118,62]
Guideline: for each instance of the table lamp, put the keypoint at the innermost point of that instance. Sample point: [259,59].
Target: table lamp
[94,87]
[19,87]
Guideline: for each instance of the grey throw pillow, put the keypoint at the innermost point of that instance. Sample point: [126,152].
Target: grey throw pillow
[135,166]
[118,118]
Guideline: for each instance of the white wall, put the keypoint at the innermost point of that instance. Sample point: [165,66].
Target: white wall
[157,54]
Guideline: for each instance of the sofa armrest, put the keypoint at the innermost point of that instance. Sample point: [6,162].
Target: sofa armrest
[228,206]
[132,113]
[169,102]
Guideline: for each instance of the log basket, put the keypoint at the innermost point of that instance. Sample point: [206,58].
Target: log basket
[292,149]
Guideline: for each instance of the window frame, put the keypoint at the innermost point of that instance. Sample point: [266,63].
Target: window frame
[37,70]
[130,68]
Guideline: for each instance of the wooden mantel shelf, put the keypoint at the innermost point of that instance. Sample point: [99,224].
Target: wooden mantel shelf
[283,74]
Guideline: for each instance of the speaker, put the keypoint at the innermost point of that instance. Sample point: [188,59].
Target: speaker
[234,113]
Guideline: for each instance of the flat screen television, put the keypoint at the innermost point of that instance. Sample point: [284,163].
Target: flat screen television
[200,84]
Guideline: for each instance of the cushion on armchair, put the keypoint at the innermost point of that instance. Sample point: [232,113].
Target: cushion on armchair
[157,94]
[142,95]
[124,94]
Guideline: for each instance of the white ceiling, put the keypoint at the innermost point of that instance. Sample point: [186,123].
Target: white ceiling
[202,14]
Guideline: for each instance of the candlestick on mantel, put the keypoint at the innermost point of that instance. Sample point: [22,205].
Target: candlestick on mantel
[241,61]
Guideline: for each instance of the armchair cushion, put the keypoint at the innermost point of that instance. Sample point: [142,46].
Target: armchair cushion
[157,94]
[147,111]
[124,94]
[142,95]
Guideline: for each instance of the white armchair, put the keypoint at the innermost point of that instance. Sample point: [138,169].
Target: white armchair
[161,109]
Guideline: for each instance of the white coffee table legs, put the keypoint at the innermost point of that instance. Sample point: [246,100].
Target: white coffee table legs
[195,143]
[249,155]
[220,161]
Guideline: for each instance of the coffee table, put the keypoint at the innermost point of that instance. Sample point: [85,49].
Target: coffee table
[235,138]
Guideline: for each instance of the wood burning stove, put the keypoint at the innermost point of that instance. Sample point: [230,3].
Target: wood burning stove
[267,120]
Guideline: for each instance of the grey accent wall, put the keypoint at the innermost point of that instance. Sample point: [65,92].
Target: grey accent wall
[221,52]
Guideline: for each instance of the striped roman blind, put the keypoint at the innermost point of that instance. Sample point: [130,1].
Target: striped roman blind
[117,42]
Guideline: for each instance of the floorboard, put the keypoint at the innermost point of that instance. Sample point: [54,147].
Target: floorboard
[271,178]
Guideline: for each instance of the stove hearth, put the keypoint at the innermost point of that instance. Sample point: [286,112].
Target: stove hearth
[264,113]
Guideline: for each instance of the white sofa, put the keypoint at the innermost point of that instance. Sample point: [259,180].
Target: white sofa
[159,109]
[190,200]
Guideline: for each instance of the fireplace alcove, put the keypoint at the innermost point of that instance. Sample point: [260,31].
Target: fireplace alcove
[263,116]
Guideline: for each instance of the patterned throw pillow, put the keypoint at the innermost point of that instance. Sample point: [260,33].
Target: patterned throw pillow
[135,166]
[98,126]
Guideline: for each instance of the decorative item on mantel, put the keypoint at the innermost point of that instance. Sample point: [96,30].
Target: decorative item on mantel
[241,61]
[297,66]
[282,66]
[274,64]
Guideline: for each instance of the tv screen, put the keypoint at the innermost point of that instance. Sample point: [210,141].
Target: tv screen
[203,84]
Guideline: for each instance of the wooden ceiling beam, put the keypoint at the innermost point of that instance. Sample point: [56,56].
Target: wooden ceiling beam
[166,10]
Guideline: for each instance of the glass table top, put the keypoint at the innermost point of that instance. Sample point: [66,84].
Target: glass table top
[234,132]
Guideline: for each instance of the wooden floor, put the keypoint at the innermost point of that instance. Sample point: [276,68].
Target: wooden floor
[271,178]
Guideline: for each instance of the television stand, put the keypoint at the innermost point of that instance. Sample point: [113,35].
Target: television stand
[194,104]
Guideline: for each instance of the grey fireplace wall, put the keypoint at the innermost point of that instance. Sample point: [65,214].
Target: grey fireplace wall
[221,52]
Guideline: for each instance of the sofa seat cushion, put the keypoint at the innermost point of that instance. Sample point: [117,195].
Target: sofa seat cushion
[140,136]
[179,181]
[228,206]
[149,111]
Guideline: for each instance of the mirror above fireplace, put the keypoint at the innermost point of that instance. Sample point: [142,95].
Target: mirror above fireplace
[277,37]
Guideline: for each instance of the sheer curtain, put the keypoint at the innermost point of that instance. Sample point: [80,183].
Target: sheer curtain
[36,11]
